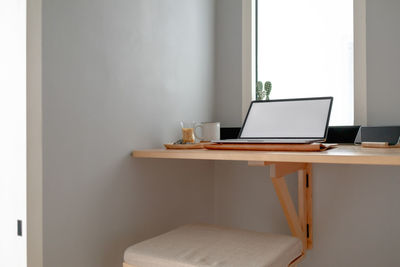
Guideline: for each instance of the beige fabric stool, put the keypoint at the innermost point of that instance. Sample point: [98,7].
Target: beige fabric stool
[206,245]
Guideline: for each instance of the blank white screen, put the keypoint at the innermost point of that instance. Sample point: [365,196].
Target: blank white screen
[300,118]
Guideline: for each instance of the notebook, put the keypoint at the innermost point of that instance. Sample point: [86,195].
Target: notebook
[286,121]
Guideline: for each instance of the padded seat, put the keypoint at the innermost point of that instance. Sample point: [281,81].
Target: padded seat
[206,245]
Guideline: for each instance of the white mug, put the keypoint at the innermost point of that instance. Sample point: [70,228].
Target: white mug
[210,131]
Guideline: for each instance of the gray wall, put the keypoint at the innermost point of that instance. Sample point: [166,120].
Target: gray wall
[383,62]
[117,76]
[355,212]
[228,62]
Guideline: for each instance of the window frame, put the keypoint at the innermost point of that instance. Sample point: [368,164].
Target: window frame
[249,58]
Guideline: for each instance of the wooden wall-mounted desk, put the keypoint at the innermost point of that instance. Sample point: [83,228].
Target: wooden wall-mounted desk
[283,163]
[344,154]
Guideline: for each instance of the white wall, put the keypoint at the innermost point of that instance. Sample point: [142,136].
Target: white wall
[117,76]
[12,132]
[355,211]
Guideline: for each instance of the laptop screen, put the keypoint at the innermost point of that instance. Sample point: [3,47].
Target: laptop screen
[288,118]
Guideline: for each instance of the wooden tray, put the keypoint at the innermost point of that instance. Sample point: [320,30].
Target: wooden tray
[271,147]
[185,146]
[379,145]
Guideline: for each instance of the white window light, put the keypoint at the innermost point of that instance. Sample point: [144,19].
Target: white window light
[303,64]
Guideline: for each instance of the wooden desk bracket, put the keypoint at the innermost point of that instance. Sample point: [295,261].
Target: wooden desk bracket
[300,222]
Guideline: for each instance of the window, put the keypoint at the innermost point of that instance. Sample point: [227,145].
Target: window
[305,48]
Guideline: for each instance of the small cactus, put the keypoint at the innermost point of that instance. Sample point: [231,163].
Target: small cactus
[260,93]
[263,93]
[267,89]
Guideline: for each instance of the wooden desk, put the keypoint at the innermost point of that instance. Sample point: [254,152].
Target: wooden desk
[344,154]
[283,163]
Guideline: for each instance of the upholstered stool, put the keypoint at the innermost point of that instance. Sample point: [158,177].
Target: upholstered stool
[206,245]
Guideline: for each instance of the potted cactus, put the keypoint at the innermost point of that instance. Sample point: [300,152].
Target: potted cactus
[263,92]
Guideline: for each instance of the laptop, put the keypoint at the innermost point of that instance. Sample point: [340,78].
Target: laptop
[286,121]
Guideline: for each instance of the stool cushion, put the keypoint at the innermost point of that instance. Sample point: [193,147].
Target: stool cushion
[205,245]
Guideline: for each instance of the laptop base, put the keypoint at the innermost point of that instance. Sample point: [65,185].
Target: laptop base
[267,141]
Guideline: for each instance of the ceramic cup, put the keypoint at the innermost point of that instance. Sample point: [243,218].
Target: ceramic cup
[209,131]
